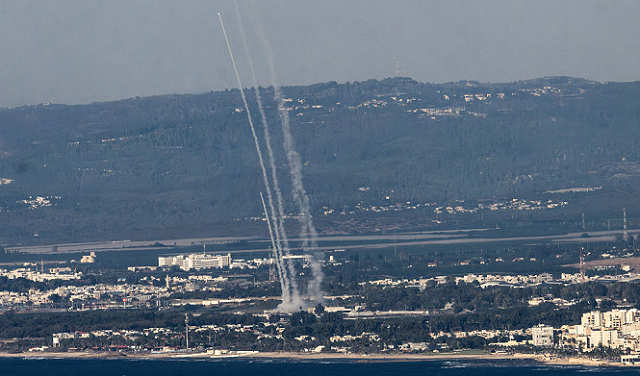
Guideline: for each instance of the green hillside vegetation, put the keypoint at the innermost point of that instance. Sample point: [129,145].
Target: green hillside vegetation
[185,164]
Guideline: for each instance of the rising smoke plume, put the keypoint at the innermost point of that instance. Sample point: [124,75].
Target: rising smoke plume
[308,231]
[277,250]
[295,300]
[291,299]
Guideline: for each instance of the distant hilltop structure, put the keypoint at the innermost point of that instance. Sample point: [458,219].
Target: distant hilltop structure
[195,261]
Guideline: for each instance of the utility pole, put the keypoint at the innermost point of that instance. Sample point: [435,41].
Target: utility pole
[272,272]
[582,265]
[186,324]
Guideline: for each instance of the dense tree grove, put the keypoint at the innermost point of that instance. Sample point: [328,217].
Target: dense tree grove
[470,297]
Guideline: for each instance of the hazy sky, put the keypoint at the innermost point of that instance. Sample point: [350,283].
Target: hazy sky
[64,51]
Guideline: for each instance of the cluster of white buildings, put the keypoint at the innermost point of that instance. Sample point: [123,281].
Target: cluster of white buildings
[522,204]
[131,335]
[577,278]
[615,329]
[64,274]
[86,294]
[489,280]
[13,298]
[506,280]
[618,328]
[486,280]
[141,292]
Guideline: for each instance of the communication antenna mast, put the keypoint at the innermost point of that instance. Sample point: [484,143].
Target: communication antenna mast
[582,265]
[624,225]
[397,72]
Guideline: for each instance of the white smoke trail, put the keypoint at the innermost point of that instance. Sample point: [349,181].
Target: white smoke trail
[283,286]
[308,231]
[295,293]
[284,280]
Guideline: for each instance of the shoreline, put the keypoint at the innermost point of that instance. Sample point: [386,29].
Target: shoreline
[545,359]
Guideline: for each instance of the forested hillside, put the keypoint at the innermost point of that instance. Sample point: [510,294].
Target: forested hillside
[185,163]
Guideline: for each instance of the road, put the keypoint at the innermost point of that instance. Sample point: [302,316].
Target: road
[380,241]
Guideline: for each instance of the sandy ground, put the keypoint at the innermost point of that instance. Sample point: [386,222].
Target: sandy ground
[542,358]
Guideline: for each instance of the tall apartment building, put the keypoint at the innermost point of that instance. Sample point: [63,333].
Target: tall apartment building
[614,319]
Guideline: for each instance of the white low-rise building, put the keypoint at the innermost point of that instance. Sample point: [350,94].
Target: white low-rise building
[196,261]
[542,335]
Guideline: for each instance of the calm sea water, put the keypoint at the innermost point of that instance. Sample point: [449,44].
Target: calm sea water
[125,367]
